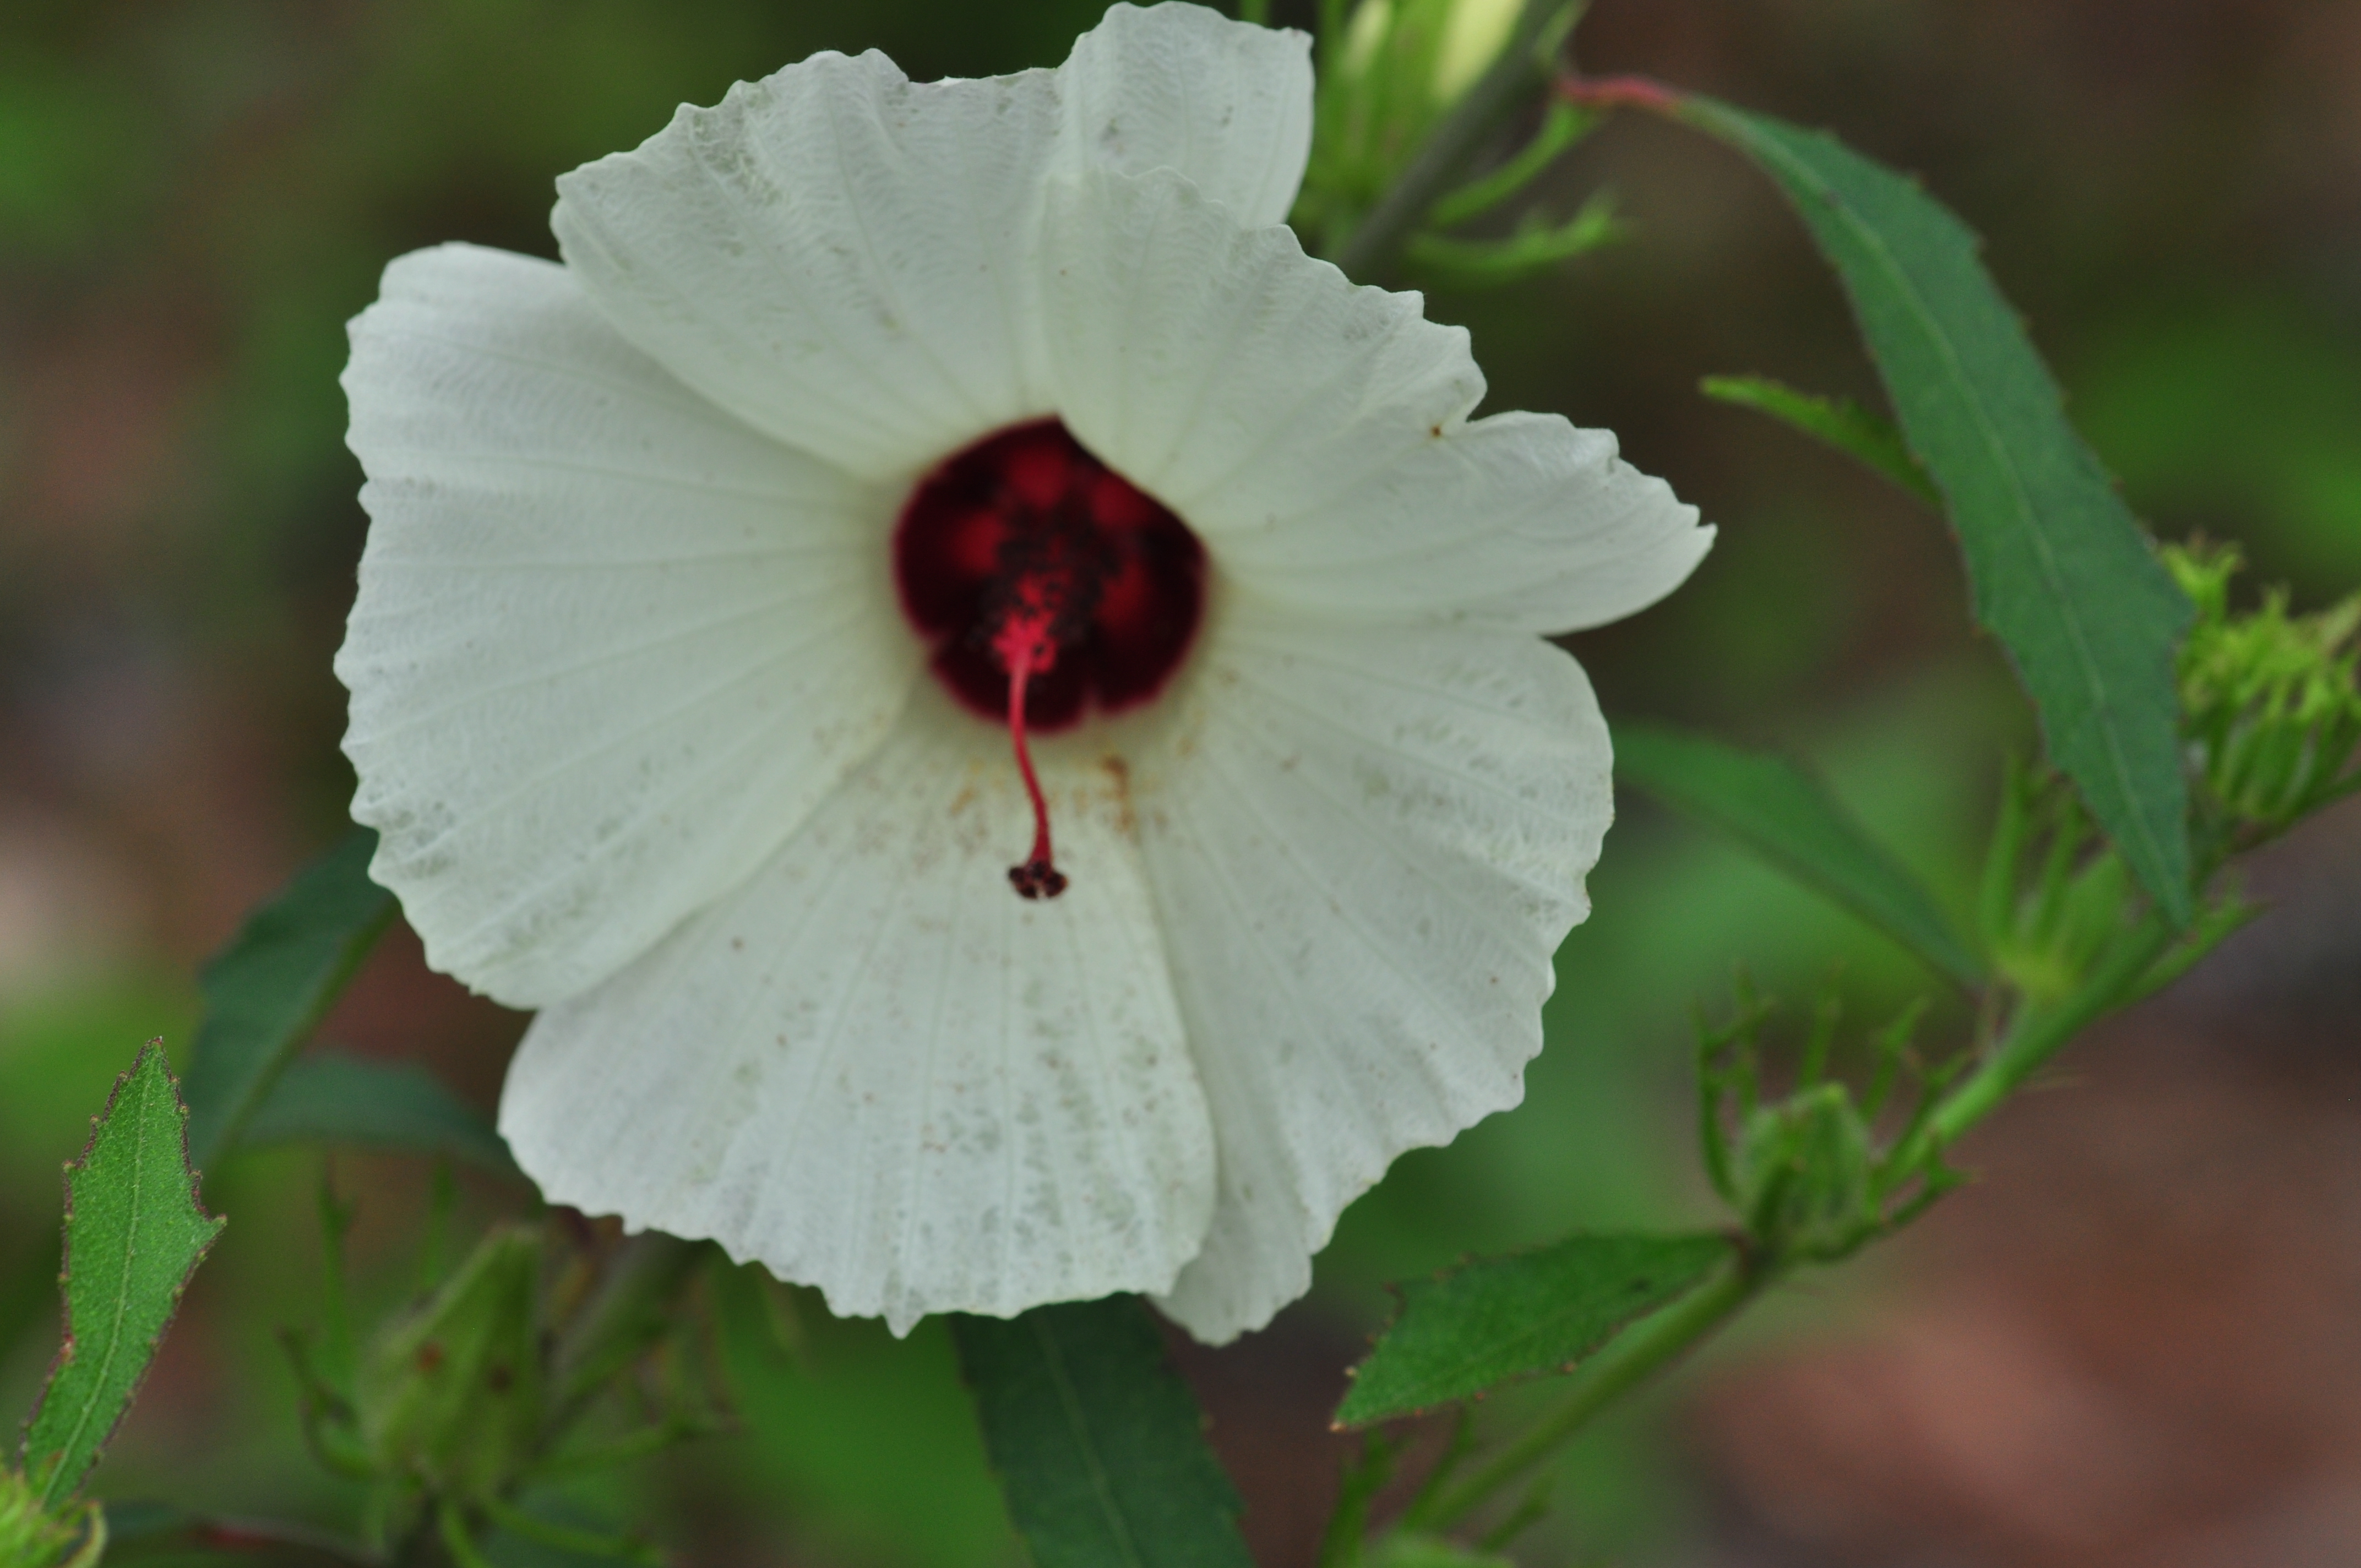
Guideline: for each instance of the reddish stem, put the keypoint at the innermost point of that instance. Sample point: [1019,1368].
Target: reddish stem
[1620,91]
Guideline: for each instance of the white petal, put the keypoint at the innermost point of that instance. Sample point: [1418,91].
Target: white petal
[1366,844]
[1182,87]
[611,646]
[1517,521]
[839,256]
[1314,433]
[876,1069]
[1208,361]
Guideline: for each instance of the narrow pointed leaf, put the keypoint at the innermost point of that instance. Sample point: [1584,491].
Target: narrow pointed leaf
[1476,1327]
[1563,124]
[1838,421]
[2061,574]
[336,1099]
[1099,1445]
[134,1233]
[1535,247]
[266,990]
[1782,813]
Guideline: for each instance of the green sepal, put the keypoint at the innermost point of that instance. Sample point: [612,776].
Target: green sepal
[1805,1169]
[32,1536]
[2270,703]
[1563,124]
[1535,247]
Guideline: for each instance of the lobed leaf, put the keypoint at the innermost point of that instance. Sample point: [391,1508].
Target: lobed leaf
[134,1233]
[1099,1445]
[2060,572]
[1784,813]
[1476,1327]
[266,990]
[337,1099]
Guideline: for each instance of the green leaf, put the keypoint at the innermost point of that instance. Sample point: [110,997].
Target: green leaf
[134,1233]
[1477,1326]
[265,992]
[1779,810]
[2061,574]
[337,1099]
[1099,1445]
[1840,422]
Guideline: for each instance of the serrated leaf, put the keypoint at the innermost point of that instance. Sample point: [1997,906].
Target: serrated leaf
[266,990]
[134,1233]
[1099,1445]
[1786,815]
[1838,421]
[1476,1327]
[332,1098]
[2060,572]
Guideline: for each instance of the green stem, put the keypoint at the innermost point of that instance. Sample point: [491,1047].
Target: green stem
[2035,1038]
[565,1538]
[1657,1342]
[1513,75]
[1629,1360]
[451,1524]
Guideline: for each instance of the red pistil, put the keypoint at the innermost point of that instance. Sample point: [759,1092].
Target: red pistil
[1047,586]
[1022,646]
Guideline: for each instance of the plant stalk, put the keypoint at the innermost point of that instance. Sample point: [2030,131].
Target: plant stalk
[2037,1038]
[1631,1359]
[1656,1342]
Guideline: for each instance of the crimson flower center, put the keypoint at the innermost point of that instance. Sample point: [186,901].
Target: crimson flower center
[1048,587]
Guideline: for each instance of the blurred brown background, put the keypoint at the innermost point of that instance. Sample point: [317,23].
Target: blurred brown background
[2137,1341]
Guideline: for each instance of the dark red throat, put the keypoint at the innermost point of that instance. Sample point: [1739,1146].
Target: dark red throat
[1050,586]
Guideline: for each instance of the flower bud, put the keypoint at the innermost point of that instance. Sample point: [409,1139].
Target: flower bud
[1401,65]
[32,1537]
[1472,39]
[2269,707]
[450,1395]
[1804,1169]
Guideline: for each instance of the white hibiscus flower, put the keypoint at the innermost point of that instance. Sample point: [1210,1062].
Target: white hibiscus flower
[681,672]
